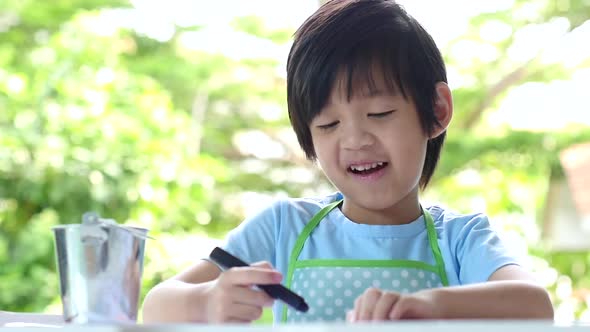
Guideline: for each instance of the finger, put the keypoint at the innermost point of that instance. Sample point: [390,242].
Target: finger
[384,306]
[247,276]
[403,308]
[244,312]
[249,296]
[369,299]
[350,316]
[263,264]
[354,313]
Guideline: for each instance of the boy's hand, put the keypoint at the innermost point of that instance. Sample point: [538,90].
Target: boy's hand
[378,305]
[231,297]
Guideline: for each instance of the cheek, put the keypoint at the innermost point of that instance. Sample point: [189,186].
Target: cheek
[415,164]
[317,147]
[321,147]
[327,156]
[324,158]
[411,152]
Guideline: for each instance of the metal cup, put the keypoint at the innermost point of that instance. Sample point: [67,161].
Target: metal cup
[100,268]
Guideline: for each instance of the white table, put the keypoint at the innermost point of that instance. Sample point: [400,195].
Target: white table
[406,326]
[14,319]
[37,322]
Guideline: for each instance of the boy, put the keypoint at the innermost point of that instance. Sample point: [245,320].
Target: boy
[368,100]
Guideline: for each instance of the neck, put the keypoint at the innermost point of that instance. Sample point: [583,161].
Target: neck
[403,212]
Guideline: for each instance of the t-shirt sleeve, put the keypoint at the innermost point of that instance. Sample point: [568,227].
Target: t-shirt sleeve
[254,239]
[480,251]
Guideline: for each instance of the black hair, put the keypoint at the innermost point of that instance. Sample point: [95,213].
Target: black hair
[349,39]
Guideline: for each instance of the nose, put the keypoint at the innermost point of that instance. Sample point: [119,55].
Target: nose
[356,137]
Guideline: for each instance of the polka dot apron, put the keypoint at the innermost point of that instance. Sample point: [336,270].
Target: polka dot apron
[330,286]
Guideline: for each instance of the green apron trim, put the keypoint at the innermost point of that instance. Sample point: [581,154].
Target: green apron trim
[432,238]
[300,242]
[304,235]
[365,263]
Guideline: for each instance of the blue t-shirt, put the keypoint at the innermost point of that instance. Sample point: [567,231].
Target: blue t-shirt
[471,250]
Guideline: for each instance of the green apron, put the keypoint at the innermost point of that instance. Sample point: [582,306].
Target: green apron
[330,286]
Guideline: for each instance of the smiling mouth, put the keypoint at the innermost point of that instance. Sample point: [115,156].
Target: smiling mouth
[367,168]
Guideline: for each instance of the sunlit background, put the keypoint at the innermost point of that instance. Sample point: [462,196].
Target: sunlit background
[171,115]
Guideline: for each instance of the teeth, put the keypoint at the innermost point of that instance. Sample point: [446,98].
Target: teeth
[361,168]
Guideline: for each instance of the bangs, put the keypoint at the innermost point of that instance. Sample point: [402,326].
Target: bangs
[359,63]
[368,73]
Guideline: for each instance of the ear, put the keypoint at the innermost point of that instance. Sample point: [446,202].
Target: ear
[443,108]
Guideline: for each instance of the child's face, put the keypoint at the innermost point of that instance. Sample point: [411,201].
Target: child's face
[372,147]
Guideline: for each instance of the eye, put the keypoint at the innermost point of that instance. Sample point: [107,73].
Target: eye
[380,115]
[328,125]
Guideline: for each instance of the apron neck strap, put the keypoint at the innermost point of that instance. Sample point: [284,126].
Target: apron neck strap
[311,225]
[301,241]
[433,240]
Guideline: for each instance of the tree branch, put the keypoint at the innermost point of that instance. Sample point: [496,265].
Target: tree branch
[501,86]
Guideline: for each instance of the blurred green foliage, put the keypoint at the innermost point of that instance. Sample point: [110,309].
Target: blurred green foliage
[149,132]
